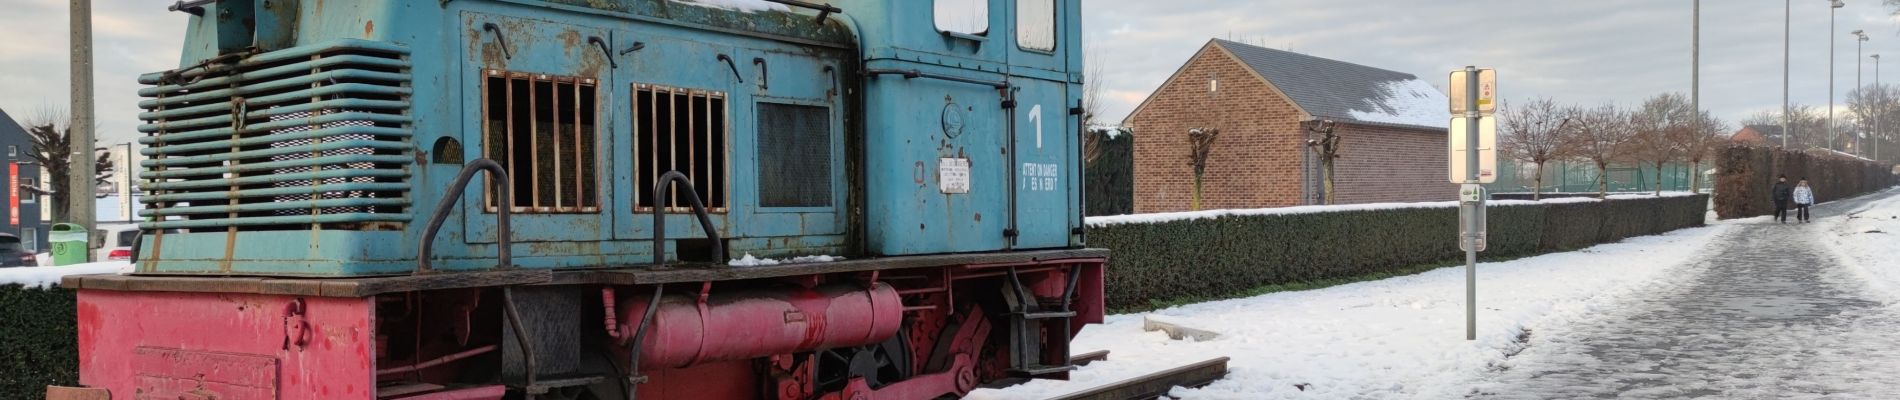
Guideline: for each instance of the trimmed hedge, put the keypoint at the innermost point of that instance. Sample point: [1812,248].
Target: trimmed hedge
[39,341]
[1224,256]
[1746,178]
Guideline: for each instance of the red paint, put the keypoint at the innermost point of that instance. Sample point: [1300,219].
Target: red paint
[741,325]
[152,340]
[13,193]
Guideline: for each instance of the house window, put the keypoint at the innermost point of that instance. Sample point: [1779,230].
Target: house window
[969,17]
[13,151]
[1036,24]
[28,196]
[30,239]
[681,130]
[542,129]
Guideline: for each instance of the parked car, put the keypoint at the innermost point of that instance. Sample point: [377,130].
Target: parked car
[13,253]
[114,242]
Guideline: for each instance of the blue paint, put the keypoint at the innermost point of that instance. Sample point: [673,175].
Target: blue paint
[406,75]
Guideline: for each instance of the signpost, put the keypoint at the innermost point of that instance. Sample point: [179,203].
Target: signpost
[1473,159]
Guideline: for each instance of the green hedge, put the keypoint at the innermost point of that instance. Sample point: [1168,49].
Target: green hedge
[39,341]
[1224,256]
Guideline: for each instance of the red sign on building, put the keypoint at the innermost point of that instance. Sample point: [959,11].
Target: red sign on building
[13,193]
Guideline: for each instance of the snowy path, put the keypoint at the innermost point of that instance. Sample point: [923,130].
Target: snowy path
[1769,312]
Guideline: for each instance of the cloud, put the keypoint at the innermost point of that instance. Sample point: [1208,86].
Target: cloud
[130,37]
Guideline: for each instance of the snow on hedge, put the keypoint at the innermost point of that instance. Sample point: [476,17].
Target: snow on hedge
[1395,338]
[1407,102]
[39,277]
[1155,218]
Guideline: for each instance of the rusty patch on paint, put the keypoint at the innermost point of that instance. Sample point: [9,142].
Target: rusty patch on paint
[369,29]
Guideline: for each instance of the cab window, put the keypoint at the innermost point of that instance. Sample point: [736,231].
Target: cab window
[1036,24]
[969,17]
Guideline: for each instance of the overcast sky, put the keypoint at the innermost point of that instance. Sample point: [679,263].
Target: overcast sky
[1573,50]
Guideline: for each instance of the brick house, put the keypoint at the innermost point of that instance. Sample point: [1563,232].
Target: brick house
[1757,135]
[1264,102]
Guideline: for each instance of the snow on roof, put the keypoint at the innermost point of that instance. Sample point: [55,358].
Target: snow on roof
[1840,153]
[1406,102]
[39,277]
[1155,218]
[737,5]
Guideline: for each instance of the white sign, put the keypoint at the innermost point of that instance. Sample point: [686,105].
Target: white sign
[1040,177]
[1487,150]
[953,175]
[1471,230]
[124,179]
[1470,193]
[1487,91]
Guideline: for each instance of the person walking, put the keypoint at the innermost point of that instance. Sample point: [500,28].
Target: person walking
[1803,197]
[1782,195]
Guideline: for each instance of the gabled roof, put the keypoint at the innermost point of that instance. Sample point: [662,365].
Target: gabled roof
[1346,92]
[1765,130]
[9,127]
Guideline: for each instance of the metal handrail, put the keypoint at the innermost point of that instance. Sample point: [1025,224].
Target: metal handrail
[504,238]
[659,216]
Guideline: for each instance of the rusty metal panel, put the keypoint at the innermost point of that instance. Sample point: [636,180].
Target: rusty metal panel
[166,373]
[73,393]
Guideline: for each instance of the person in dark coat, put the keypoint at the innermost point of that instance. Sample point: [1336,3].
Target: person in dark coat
[1782,196]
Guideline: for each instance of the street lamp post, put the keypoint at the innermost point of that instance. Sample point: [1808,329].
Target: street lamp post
[1859,45]
[1695,71]
[1880,106]
[1787,114]
[1837,4]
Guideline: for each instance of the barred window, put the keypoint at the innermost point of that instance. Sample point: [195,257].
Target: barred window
[542,129]
[679,130]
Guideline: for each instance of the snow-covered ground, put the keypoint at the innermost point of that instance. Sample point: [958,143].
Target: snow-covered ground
[1867,241]
[48,276]
[1396,338]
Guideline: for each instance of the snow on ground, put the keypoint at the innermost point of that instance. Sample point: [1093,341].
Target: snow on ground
[1864,240]
[48,276]
[1407,102]
[1394,338]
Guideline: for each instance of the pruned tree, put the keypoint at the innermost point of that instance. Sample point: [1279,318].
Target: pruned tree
[1602,136]
[1091,104]
[1201,142]
[1699,143]
[1662,125]
[1325,146]
[52,150]
[1534,133]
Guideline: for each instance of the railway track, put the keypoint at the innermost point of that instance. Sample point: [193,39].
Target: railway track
[1152,385]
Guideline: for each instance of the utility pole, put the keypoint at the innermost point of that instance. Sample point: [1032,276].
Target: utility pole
[1695,71]
[1472,217]
[1859,64]
[1880,108]
[1787,113]
[79,184]
[1836,6]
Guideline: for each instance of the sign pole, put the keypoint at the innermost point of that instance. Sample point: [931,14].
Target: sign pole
[1471,218]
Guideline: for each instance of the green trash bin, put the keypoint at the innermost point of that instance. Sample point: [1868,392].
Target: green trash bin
[69,243]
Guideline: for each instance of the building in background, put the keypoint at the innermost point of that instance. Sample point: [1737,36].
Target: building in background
[1757,135]
[23,216]
[1264,102]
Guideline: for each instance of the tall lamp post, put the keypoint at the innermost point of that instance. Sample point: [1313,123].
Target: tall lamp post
[1859,64]
[1787,113]
[1695,71]
[1837,4]
[1880,106]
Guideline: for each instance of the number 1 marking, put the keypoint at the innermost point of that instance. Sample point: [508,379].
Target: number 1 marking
[1035,117]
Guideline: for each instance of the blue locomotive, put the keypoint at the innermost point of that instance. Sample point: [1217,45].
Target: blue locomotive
[604,199]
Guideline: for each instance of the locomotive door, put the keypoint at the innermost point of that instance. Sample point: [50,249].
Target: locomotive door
[535,94]
[1045,170]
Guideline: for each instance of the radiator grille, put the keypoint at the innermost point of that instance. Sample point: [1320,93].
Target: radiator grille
[309,137]
[794,155]
[680,130]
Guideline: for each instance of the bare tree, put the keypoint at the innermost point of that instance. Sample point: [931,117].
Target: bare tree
[1602,136]
[1202,144]
[1662,125]
[52,150]
[1699,143]
[1091,103]
[1326,147]
[1534,133]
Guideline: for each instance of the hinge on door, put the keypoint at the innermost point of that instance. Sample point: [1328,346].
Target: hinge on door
[1009,233]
